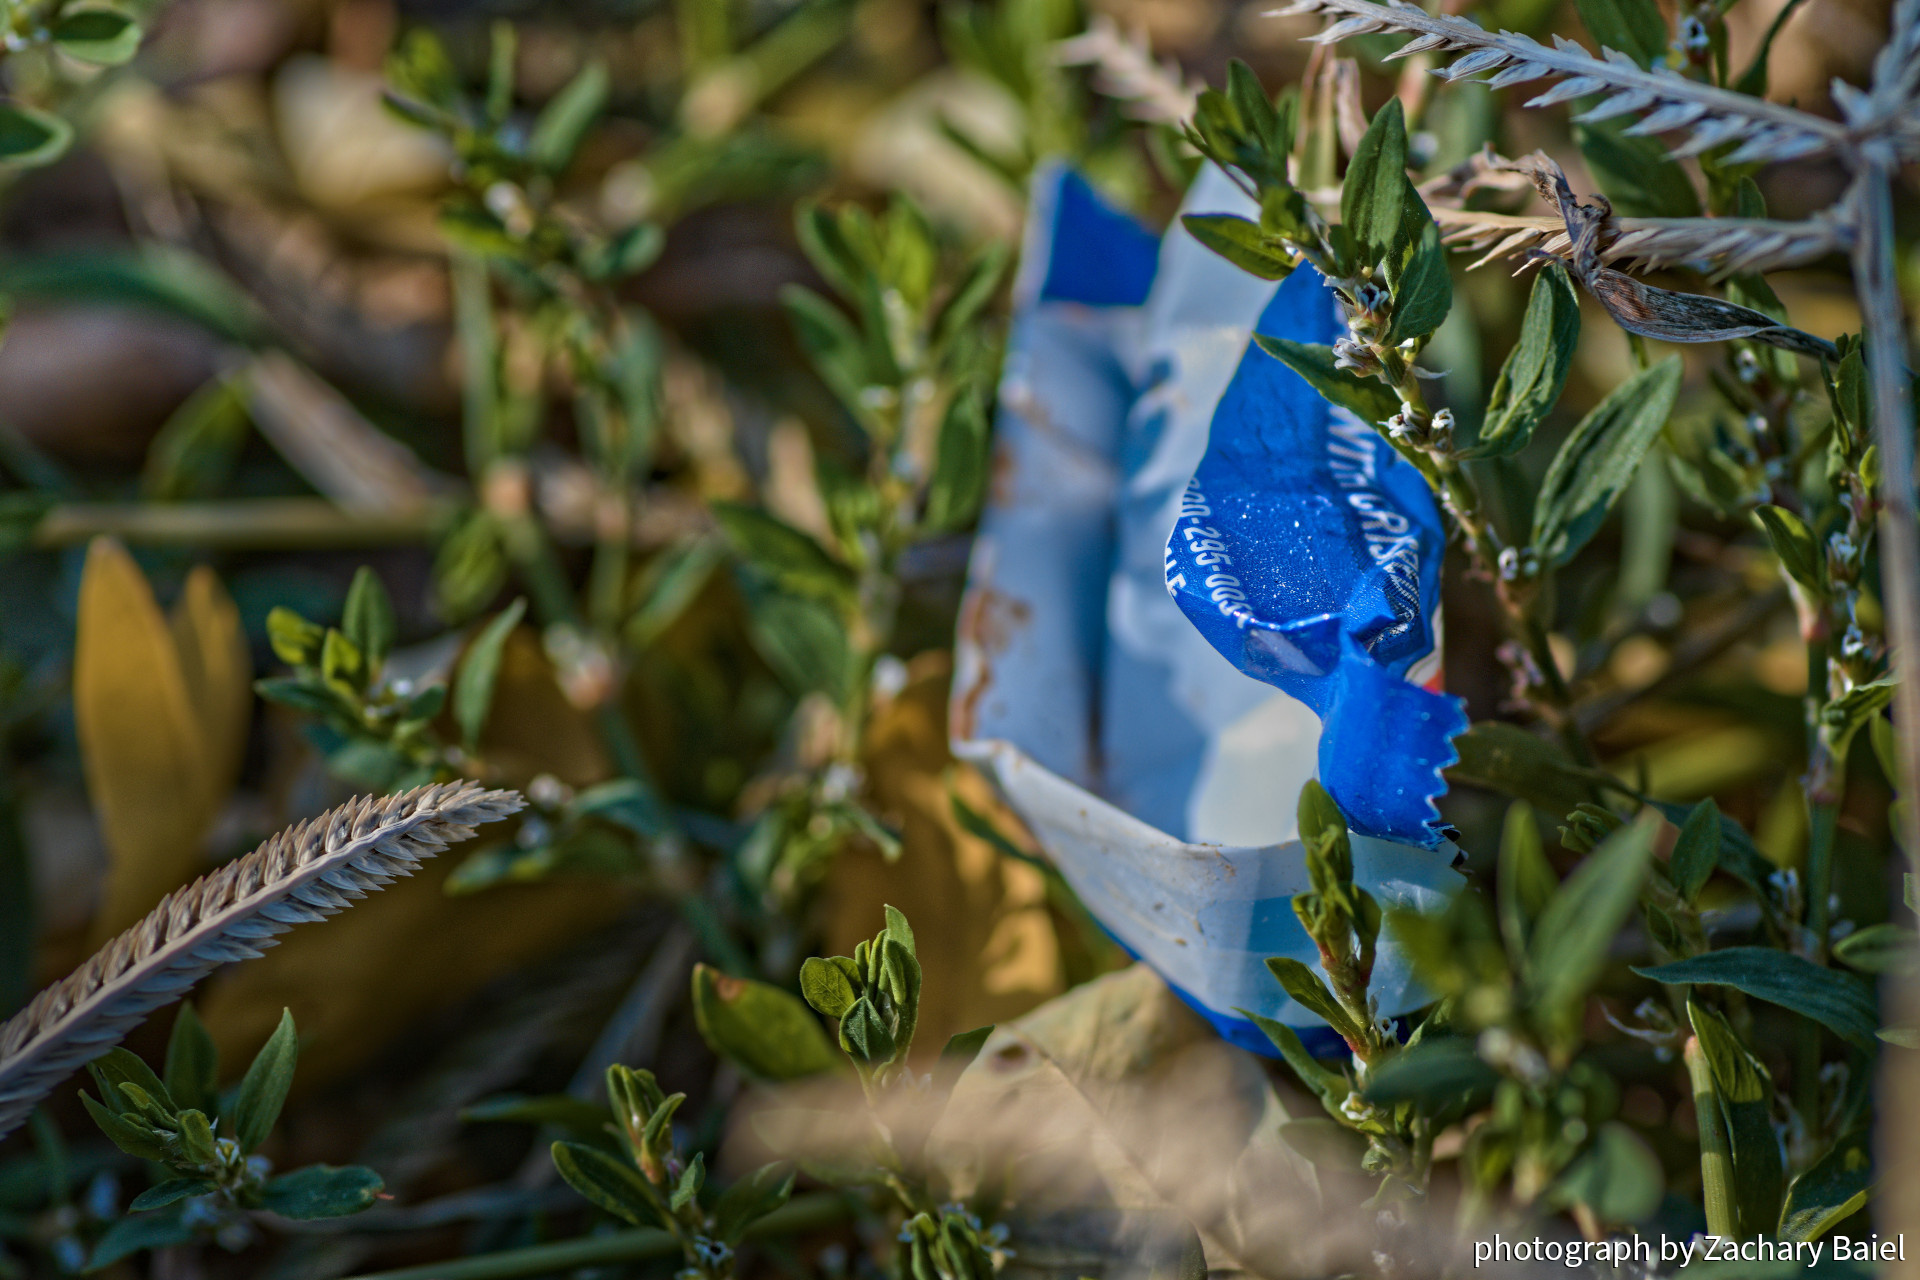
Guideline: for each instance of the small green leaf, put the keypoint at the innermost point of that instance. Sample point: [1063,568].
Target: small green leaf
[1831,1191]
[195,1136]
[124,1067]
[1431,1075]
[1737,855]
[367,619]
[691,1179]
[322,1191]
[971,295]
[1535,371]
[609,1183]
[1880,948]
[104,37]
[193,1063]
[479,671]
[162,1194]
[1794,543]
[1423,287]
[342,665]
[263,1090]
[1593,467]
[564,121]
[1373,194]
[29,137]
[1697,851]
[864,1034]
[826,987]
[1839,1002]
[1525,881]
[751,1199]
[135,1137]
[1369,400]
[1242,242]
[959,482]
[1570,939]
[765,1031]
[132,1234]
[781,554]
[1307,989]
[295,641]
[1325,1083]
[836,348]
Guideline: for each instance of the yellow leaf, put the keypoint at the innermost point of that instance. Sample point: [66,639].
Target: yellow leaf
[149,767]
[981,923]
[218,671]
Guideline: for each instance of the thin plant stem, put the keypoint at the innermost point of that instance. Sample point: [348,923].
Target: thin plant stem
[1716,1152]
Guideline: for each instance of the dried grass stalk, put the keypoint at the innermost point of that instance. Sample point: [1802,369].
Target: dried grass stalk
[1124,69]
[307,872]
[1669,102]
[1723,246]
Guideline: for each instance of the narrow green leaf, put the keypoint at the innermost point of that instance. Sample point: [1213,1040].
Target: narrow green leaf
[136,1232]
[263,1090]
[1831,1191]
[1241,242]
[767,1032]
[1323,1082]
[1374,191]
[1524,882]
[1311,993]
[564,121]
[781,554]
[1745,1094]
[162,1194]
[691,1179]
[29,137]
[1422,287]
[1799,552]
[367,618]
[958,485]
[1432,1075]
[1569,943]
[1593,467]
[124,1067]
[1369,400]
[1880,948]
[136,1138]
[1697,852]
[609,1183]
[104,37]
[480,671]
[1535,371]
[1839,1002]
[322,1191]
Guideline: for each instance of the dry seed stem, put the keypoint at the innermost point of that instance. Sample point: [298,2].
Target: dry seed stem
[307,872]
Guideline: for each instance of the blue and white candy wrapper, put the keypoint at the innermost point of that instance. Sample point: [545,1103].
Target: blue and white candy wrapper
[1160,778]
